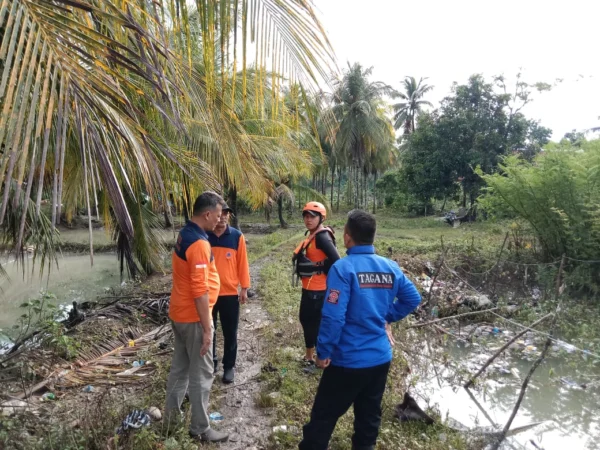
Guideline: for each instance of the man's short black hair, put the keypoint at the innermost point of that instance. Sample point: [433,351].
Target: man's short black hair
[207,200]
[361,227]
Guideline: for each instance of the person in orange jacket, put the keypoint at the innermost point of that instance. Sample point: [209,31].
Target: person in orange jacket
[195,290]
[312,258]
[229,247]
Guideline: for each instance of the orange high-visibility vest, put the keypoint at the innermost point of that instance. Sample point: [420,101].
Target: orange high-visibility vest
[318,281]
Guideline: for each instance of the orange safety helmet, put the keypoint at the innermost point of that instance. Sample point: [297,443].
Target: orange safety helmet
[315,207]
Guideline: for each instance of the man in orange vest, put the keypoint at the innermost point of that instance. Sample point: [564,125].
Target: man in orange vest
[229,247]
[195,290]
[313,258]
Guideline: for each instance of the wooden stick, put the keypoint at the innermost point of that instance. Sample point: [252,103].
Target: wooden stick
[472,313]
[485,413]
[504,347]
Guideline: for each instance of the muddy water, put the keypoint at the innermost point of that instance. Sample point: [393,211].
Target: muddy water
[74,280]
[564,394]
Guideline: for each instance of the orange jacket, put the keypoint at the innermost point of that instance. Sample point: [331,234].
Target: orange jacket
[316,282]
[231,260]
[194,274]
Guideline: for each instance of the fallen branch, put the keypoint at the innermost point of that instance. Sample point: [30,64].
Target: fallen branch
[28,392]
[472,313]
[504,347]
[441,330]
[435,275]
[485,413]
[537,361]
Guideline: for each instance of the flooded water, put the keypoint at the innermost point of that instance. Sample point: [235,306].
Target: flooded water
[74,280]
[563,394]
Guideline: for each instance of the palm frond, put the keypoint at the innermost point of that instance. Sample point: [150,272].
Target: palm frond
[105,94]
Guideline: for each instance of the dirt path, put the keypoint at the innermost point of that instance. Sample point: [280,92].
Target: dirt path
[249,425]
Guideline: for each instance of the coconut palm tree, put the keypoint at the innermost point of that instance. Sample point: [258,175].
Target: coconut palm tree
[406,112]
[105,102]
[362,126]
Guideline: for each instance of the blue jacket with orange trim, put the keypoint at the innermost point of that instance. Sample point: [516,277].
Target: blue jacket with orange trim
[364,291]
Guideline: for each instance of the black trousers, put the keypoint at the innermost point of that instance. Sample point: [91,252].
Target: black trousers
[228,309]
[311,305]
[338,390]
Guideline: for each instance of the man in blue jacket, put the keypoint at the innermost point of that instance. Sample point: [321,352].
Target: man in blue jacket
[365,294]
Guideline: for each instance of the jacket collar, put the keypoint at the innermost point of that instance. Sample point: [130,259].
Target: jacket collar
[227,231]
[197,229]
[361,249]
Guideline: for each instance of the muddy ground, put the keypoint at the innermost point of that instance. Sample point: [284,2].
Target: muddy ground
[249,424]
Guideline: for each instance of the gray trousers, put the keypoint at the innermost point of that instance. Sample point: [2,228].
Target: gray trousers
[188,367]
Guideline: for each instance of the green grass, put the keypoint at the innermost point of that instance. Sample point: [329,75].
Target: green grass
[260,245]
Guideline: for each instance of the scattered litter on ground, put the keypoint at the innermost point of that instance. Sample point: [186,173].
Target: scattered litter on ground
[134,420]
[12,407]
[48,396]
[154,413]
[216,416]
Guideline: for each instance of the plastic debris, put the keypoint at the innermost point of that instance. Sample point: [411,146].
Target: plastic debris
[11,407]
[566,347]
[131,343]
[134,420]
[269,368]
[216,416]
[48,396]
[88,388]
[284,429]
[139,363]
[154,413]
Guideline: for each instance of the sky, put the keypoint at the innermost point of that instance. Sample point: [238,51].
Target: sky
[448,41]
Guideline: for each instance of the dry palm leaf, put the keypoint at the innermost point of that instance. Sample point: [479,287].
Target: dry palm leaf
[110,362]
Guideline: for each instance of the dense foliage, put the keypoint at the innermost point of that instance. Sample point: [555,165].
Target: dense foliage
[473,128]
[557,194]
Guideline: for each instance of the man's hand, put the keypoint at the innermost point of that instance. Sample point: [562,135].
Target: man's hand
[243,298]
[207,336]
[388,330]
[323,363]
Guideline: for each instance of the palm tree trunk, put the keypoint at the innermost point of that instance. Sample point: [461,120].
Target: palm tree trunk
[338,192]
[187,200]
[282,222]
[365,190]
[375,193]
[168,223]
[356,184]
[233,205]
[332,182]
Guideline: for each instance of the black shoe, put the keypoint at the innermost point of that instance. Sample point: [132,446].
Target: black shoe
[228,375]
[210,436]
